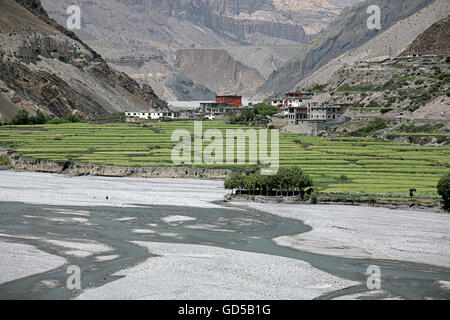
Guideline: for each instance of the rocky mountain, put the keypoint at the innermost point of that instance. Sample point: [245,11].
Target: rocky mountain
[435,39]
[165,79]
[409,98]
[168,25]
[161,27]
[44,66]
[223,74]
[347,32]
[390,43]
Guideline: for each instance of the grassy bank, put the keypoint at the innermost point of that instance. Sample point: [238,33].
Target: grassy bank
[345,164]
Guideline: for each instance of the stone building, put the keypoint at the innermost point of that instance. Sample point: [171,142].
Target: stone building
[315,114]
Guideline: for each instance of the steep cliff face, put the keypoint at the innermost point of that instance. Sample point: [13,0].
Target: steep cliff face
[222,74]
[166,80]
[161,27]
[347,32]
[164,26]
[436,39]
[43,66]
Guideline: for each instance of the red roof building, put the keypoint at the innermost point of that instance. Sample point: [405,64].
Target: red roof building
[236,100]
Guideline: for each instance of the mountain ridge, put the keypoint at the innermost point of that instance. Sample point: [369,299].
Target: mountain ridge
[347,32]
[161,27]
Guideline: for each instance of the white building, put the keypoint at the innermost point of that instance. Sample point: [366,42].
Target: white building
[153,114]
[137,114]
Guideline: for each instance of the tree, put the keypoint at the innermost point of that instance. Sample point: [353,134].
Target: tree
[443,189]
[21,118]
[314,199]
[235,182]
[73,119]
[303,182]
[250,182]
[230,184]
[277,180]
[39,118]
[265,109]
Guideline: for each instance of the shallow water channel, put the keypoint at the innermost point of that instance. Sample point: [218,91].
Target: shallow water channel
[237,229]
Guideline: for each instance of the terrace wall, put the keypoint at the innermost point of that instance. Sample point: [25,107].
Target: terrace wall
[313,128]
[89,169]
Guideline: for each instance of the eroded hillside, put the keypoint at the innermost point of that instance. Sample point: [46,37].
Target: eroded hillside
[43,66]
[347,32]
[160,28]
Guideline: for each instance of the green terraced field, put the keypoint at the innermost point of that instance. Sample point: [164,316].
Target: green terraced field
[369,166]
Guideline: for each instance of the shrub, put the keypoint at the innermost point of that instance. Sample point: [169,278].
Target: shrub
[443,189]
[4,161]
[318,87]
[372,200]
[21,118]
[375,125]
[73,119]
[39,118]
[419,82]
[314,199]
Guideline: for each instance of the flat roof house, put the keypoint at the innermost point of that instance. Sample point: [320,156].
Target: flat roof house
[235,100]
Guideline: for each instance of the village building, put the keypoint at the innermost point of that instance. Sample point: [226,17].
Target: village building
[137,114]
[152,115]
[278,103]
[295,99]
[298,111]
[234,100]
[216,108]
[324,111]
[213,109]
[315,114]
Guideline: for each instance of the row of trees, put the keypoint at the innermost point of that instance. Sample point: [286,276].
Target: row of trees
[287,181]
[24,118]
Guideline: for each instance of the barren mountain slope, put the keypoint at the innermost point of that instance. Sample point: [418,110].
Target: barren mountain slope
[219,71]
[43,66]
[347,32]
[434,40]
[165,80]
[161,27]
[164,26]
[265,59]
[389,43]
